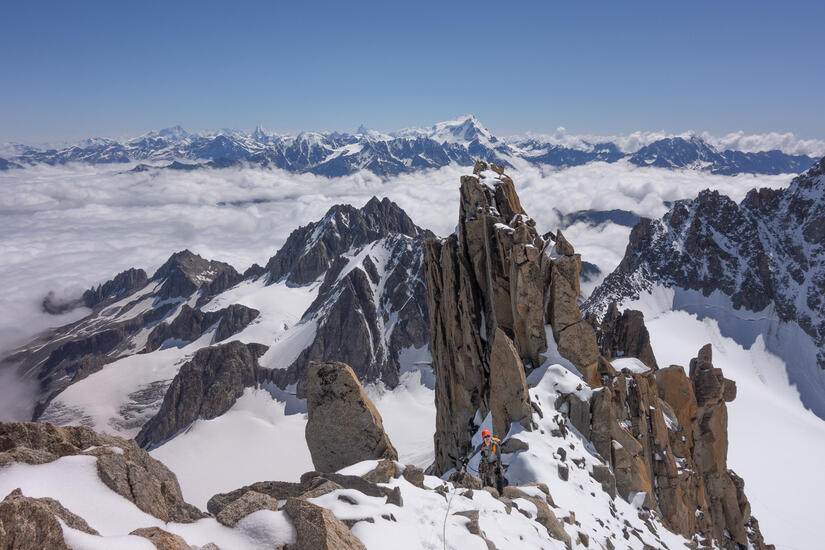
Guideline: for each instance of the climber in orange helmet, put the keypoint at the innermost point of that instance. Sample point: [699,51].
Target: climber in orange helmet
[489,467]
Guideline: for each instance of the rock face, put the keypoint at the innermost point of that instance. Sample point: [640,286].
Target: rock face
[121,464]
[205,387]
[344,427]
[190,324]
[491,289]
[509,400]
[664,433]
[623,335]
[32,523]
[123,284]
[311,250]
[367,310]
[767,250]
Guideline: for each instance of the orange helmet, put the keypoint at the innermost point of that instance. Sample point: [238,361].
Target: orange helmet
[485,433]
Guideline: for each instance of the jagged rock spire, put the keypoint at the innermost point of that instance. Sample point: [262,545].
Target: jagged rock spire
[491,289]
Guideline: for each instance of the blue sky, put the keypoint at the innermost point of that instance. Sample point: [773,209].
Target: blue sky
[76,69]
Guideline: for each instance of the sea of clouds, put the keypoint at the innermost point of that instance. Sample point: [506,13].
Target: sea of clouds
[67,228]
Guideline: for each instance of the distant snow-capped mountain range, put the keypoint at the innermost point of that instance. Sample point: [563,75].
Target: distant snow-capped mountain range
[459,141]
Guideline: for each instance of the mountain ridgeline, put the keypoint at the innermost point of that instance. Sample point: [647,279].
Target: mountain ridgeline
[336,154]
[756,266]
[359,273]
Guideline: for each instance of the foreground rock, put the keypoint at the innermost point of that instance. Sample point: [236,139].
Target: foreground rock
[32,523]
[163,540]
[248,503]
[312,484]
[318,529]
[121,464]
[344,427]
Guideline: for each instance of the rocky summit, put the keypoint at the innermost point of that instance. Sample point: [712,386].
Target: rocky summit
[491,287]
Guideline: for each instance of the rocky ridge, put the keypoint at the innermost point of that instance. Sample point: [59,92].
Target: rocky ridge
[131,314]
[661,435]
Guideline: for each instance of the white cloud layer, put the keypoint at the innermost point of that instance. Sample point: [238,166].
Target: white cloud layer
[68,228]
[739,141]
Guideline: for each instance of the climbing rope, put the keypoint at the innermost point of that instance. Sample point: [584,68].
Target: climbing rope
[464,466]
[446,515]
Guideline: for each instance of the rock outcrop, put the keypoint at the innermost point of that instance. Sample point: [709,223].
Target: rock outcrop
[311,485]
[190,324]
[664,433]
[121,464]
[508,394]
[623,335]
[32,523]
[343,427]
[205,387]
[248,503]
[492,287]
[163,540]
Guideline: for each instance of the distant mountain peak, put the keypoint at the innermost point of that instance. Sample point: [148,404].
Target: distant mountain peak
[173,132]
[460,141]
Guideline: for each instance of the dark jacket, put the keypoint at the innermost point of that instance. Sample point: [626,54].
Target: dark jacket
[491,454]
